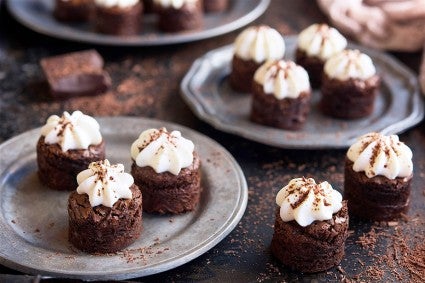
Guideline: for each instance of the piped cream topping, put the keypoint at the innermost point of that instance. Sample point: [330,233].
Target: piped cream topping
[259,43]
[162,150]
[305,201]
[322,41]
[176,4]
[105,183]
[282,79]
[377,154]
[76,131]
[116,3]
[350,64]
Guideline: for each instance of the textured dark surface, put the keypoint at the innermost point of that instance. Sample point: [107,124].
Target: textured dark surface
[146,83]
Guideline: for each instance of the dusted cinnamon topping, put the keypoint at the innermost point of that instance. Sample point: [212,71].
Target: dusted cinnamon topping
[75,131]
[105,183]
[282,79]
[376,154]
[162,150]
[305,201]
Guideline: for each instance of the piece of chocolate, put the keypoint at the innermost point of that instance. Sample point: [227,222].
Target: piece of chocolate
[76,74]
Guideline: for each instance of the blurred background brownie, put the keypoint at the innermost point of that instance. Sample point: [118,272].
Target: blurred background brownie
[118,17]
[315,45]
[75,74]
[378,174]
[179,15]
[67,145]
[167,170]
[212,6]
[350,85]
[105,212]
[311,226]
[281,95]
[252,47]
[73,10]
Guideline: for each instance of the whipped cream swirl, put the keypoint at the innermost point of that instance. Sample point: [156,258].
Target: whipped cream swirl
[350,64]
[105,183]
[76,131]
[259,43]
[376,154]
[322,41]
[162,150]
[176,4]
[283,79]
[116,3]
[305,201]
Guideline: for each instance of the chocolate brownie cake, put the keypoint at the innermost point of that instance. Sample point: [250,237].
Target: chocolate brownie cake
[179,15]
[73,10]
[105,212]
[311,226]
[67,145]
[315,45]
[378,173]
[254,46]
[350,85]
[281,95]
[75,74]
[118,17]
[212,6]
[167,170]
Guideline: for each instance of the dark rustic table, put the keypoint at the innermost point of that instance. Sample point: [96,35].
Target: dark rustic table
[146,83]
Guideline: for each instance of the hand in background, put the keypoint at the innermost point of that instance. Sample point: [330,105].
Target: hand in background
[397,25]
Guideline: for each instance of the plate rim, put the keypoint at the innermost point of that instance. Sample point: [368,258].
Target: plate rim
[101,39]
[415,116]
[177,260]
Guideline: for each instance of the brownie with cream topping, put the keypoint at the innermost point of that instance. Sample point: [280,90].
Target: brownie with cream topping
[350,85]
[105,211]
[315,45]
[118,17]
[281,95]
[253,47]
[73,10]
[311,226]
[67,145]
[378,175]
[167,170]
[179,15]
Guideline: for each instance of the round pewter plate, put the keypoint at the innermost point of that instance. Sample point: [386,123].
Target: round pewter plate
[34,220]
[398,106]
[37,15]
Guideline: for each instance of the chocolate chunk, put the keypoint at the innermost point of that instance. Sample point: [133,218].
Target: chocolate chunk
[76,74]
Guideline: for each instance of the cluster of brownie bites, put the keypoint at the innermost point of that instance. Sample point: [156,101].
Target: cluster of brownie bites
[281,89]
[105,205]
[125,17]
[312,219]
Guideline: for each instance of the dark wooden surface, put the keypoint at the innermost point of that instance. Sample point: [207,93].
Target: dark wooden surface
[146,83]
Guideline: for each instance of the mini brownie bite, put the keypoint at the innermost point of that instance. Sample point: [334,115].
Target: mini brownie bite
[105,212]
[212,6]
[167,170]
[118,17]
[315,45]
[179,15]
[254,46]
[311,226]
[67,145]
[378,173]
[281,95]
[73,10]
[350,85]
